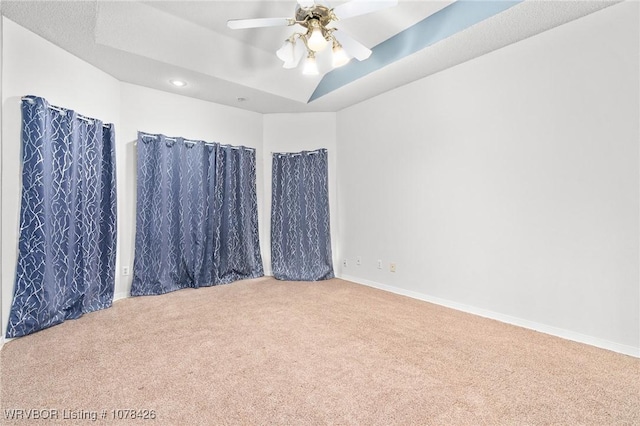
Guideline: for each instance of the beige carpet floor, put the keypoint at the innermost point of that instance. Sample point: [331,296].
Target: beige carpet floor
[269,352]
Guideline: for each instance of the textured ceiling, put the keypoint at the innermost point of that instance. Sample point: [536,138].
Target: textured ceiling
[149,43]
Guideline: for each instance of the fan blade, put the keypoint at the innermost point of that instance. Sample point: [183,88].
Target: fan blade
[351,46]
[361,7]
[238,24]
[306,3]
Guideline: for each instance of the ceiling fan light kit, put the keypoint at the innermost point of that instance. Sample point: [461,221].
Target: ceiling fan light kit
[316,19]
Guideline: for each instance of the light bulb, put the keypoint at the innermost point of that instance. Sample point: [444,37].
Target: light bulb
[340,57]
[310,66]
[316,41]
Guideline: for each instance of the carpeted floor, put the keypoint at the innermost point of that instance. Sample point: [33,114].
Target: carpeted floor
[269,352]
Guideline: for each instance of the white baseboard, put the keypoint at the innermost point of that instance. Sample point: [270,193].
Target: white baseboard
[118,296]
[532,325]
[4,340]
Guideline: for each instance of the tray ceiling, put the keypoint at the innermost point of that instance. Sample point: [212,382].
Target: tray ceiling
[151,42]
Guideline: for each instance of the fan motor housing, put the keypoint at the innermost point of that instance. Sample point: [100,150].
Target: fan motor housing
[322,13]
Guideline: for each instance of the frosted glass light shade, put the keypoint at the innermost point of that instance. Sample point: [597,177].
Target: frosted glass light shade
[340,57]
[310,66]
[285,53]
[291,53]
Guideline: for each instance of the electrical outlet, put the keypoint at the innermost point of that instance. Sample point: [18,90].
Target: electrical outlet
[379,264]
[358,261]
[125,270]
[345,264]
[392,267]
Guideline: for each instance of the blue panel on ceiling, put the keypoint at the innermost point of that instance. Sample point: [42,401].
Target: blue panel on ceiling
[446,22]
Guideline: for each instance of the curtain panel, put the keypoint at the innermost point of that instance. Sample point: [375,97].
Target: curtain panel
[197,215]
[300,233]
[67,243]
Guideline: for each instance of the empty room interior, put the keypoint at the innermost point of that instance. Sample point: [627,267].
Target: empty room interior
[356,212]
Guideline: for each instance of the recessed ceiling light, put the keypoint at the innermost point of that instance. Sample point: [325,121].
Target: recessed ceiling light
[178,83]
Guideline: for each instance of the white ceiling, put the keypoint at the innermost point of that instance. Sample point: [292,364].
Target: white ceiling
[148,43]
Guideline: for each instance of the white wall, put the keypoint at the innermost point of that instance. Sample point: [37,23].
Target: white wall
[33,66]
[508,185]
[153,111]
[295,133]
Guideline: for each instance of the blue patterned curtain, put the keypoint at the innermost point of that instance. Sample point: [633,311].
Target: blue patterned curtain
[300,235]
[197,215]
[67,245]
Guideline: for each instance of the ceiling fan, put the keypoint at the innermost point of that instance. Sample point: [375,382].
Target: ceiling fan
[318,32]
